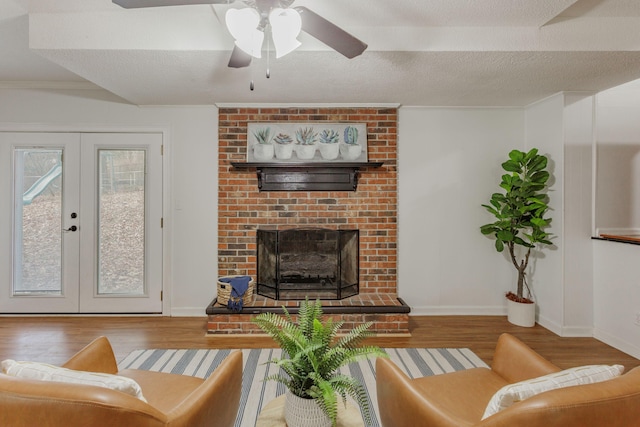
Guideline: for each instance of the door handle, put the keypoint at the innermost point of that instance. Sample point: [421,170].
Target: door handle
[72,228]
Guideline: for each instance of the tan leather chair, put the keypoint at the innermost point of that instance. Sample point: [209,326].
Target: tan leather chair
[173,400]
[459,399]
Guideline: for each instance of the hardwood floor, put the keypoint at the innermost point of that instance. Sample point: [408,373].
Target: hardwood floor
[55,339]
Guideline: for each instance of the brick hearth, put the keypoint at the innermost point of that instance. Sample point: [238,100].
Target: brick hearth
[388,314]
[372,209]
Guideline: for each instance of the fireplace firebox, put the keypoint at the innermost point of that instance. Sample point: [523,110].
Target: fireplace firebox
[316,263]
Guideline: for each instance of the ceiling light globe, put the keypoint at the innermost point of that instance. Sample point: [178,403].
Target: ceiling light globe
[243,26]
[286,24]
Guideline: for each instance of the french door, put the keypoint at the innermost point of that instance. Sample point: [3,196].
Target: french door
[80,222]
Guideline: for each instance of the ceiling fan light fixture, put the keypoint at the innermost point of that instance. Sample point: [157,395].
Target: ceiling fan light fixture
[243,26]
[286,25]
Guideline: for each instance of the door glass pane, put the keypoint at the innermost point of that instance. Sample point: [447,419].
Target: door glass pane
[38,222]
[121,213]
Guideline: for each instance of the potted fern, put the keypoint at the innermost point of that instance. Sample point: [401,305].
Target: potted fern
[314,355]
[520,223]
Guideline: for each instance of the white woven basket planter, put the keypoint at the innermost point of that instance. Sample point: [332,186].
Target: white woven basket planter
[299,412]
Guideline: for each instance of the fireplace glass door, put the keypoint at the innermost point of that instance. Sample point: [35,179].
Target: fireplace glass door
[310,262]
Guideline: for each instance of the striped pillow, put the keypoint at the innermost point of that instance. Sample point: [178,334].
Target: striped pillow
[44,372]
[512,393]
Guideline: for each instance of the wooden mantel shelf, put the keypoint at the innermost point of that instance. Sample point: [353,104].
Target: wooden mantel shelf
[307,176]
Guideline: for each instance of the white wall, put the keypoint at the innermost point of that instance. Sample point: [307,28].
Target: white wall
[577,215]
[617,295]
[616,268]
[618,160]
[544,130]
[449,165]
[561,127]
[191,137]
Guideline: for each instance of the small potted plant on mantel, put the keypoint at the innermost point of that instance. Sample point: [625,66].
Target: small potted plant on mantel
[329,148]
[520,223]
[263,149]
[284,146]
[351,150]
[314,355]
[306,143]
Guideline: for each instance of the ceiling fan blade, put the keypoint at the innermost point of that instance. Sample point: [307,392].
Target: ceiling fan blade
[239,58]
[134,4]
[330,34]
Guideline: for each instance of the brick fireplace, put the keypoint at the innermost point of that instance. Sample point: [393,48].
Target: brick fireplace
[372,209]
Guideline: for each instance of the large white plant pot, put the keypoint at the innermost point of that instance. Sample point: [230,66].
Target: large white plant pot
[299,412]
[521,314]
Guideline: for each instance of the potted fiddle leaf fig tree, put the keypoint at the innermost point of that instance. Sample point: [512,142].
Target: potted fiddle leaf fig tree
[520,223]
[315,353]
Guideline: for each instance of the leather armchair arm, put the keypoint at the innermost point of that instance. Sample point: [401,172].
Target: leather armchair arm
[217,399]
[35,403]
[401,404]
[515,361]
[610,403]
[96,357]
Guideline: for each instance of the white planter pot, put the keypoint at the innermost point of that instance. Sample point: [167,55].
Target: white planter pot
[263,152]
[284,151]
[329,151]
[351,151]
[521,314]
[305,152]
[299,412]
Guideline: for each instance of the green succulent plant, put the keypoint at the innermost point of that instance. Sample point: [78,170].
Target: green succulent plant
[263,136]
[351,135]
[314,355]
[520,211]
[283,138]
[306,136]
[329,136]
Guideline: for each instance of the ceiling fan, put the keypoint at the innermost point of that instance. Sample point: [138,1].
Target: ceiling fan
[312,23]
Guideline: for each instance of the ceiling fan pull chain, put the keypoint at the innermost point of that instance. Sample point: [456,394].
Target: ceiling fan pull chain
[251,85]
[268,57]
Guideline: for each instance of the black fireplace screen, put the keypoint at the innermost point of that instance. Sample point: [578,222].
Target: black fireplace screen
[307,262]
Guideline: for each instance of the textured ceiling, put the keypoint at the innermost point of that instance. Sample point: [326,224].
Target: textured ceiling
[421,52]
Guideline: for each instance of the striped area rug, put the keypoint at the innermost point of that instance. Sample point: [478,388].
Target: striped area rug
[256,393]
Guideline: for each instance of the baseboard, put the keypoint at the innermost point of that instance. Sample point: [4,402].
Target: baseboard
[617,342]
[577,332]
[454,310]
[550,325]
